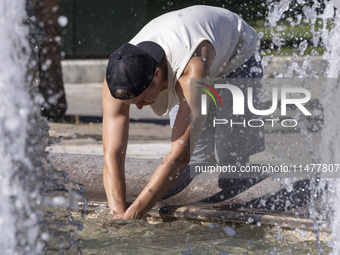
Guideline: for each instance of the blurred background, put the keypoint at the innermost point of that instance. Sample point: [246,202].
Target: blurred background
[96,28]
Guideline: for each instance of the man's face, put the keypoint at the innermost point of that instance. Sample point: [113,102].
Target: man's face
[148,97]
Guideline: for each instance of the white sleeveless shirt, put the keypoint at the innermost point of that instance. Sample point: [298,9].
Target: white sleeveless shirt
[180,32]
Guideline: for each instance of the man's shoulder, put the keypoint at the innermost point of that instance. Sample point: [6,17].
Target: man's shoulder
[201,60]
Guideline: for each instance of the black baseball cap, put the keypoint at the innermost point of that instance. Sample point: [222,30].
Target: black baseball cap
[131,68]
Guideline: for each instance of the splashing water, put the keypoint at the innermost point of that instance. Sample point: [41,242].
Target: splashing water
[330,147]
[34,212]
[319,14]
[14,107]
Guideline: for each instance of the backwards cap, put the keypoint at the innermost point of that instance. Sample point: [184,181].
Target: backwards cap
[131,68]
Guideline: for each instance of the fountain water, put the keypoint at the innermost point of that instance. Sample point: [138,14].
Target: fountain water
[330,147]
[324,20]
[34,214]
[17,199]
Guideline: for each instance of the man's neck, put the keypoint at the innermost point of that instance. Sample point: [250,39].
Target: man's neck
[163,85]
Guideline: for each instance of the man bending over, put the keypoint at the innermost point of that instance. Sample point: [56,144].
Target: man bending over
[155,69]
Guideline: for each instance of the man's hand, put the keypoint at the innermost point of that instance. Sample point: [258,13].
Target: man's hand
[127,215]
[117,216]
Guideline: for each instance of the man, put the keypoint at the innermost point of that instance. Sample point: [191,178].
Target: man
[155,69]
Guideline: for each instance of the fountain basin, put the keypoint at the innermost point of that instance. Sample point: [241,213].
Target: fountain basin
[202,198]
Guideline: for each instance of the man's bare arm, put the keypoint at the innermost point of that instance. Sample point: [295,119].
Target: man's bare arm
[115,137]
[175,162]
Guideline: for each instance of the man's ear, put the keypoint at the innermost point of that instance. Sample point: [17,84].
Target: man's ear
[157,72]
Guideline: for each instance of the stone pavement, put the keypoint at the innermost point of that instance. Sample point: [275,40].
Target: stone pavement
[152,140]
[146,140]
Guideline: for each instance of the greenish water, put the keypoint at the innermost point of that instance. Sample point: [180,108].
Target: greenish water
[104,236]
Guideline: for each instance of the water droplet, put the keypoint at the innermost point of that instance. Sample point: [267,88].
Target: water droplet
[62,21]
[229,231]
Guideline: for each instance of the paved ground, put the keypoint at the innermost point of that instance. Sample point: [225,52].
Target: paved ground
[146,140]
[152,140]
